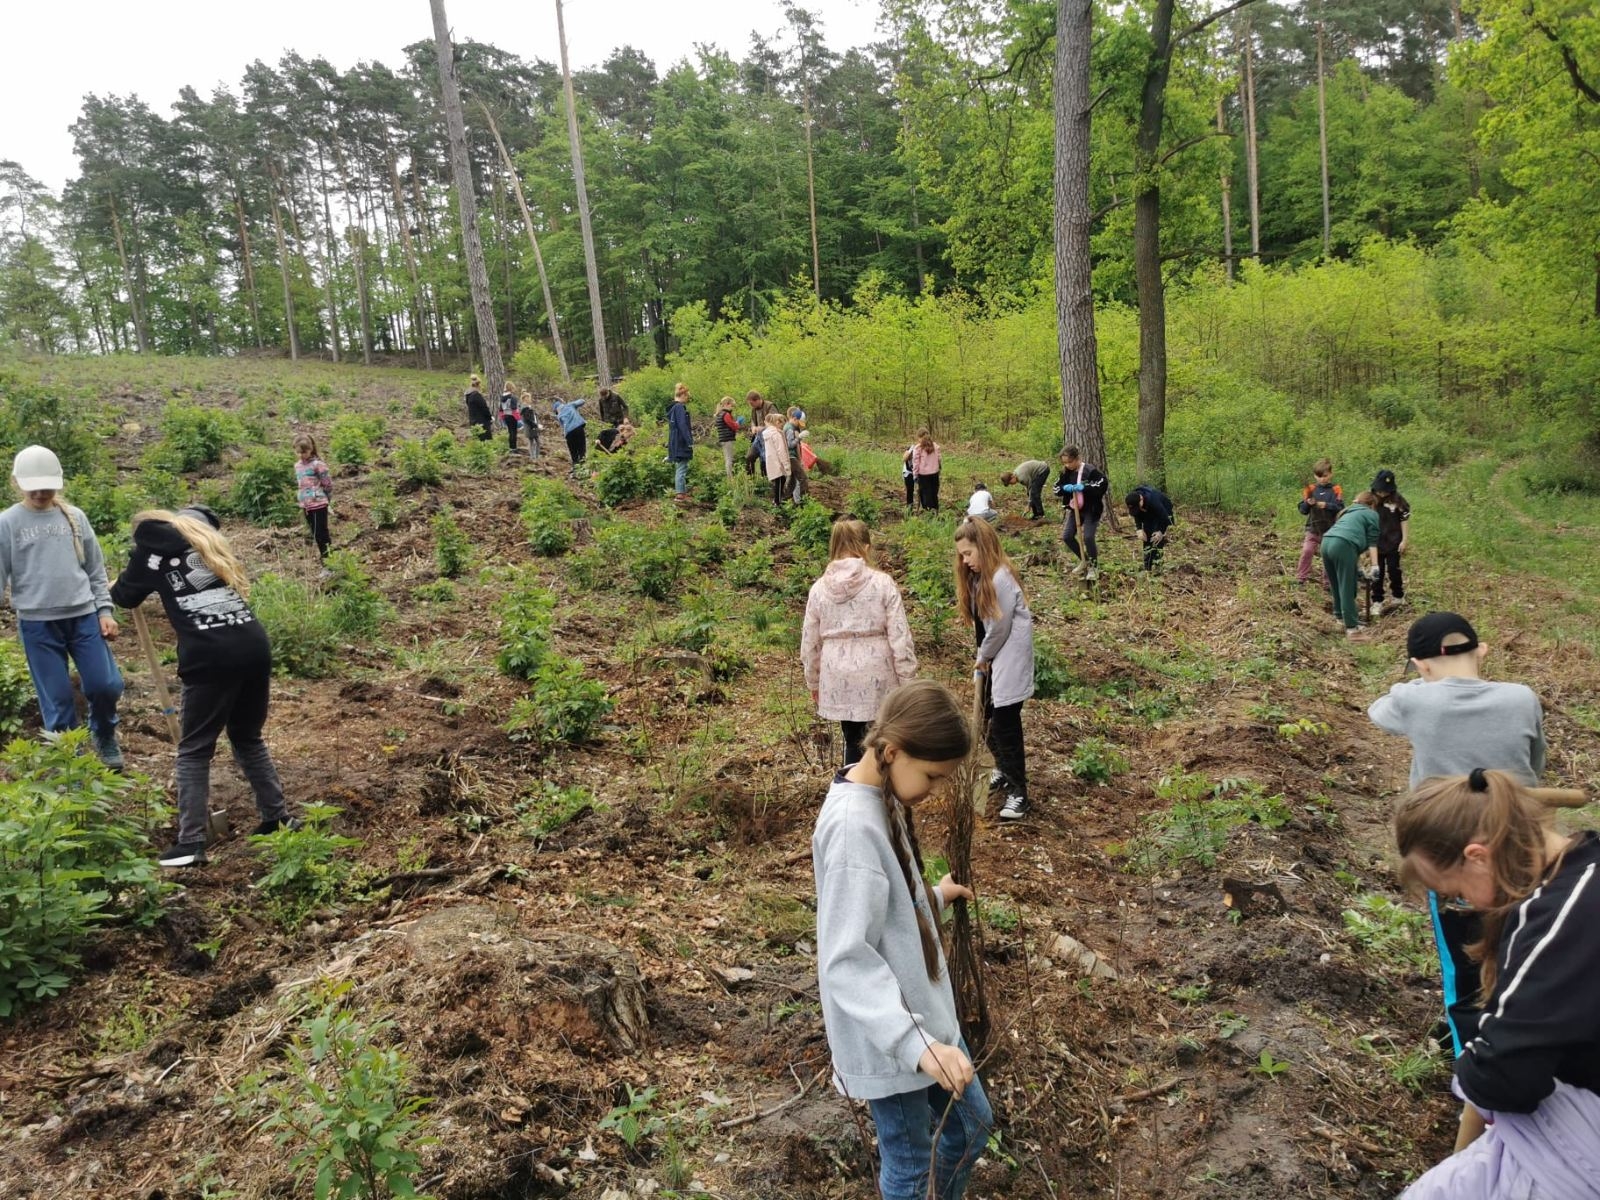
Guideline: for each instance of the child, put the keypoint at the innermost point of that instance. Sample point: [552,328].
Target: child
[775,457]
[887,1003]
[1152,517]
[52,560]
[760,410]
[611,441]
[1455,719]
[1347,551]
[727,429]
[680,442]
[478,411]
[572,428]
[224,661]
[510,414]
[855,645]
[1082,489]
[909,475]
[925,462]
[989,594]
[1532,1066]
[1033,474]
[313,491]
[530,425]
[981,505]
[794,432]
[1394,528]
[1321,502]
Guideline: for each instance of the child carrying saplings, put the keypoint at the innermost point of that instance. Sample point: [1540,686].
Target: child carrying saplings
[1349,550]
[775,457]
[1082,488]
[313,491]
[855,644]
[989,594]
[224,661]
[1394,539]
[981,505]
[1321,503]
[1152,517]
[887,1003]
[1530,1069]
[1033,475]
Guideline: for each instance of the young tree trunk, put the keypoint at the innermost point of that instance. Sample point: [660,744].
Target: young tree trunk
[811,193]
[1152,464]
[466,203]
[283,269]
[127,278]
[417,302]
[596,313]
[1251,163]
[1227,201]
[533,241]
[1322,143]
[1081,421]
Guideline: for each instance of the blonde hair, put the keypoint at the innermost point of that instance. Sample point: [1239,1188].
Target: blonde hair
[991,558]
[850,538]
[681,389]
[212,547]
[774,421]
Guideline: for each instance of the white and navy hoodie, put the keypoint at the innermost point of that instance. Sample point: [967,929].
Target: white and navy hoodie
[1542,1022]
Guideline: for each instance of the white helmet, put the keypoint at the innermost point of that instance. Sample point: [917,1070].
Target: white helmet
[37,469]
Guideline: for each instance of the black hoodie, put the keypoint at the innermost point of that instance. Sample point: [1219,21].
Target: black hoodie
[218,635]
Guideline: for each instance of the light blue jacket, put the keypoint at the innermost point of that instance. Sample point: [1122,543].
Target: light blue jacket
[567,414]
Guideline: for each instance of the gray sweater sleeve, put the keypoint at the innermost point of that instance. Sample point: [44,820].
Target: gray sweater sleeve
[1388,711]
[995,632]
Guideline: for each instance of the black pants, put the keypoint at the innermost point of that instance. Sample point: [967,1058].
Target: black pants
[235,704]
[855,736]
[578,445]
[780,488]
[510,423]
[752,456]
[317,522]
[1389,568]
[1069,535]
[1036,496]
[1005,743]
[928,492]
[911,490]
[485,428]
[1152,553]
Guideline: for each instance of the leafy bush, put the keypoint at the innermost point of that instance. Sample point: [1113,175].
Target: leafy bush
[451,548]
[752,567]
[350,441]
[31,416]
[563,707]
[299,620]
[357,610]
[74,851]
[548,509]
[655,558]
[1051,678]
[1097,761]
[417,464]
[536,367]
[710,544]
[618,481]
[110,504]
[445,448]
[305,869]
[1398,936]
[382,503]
[344,1106]
[263,488]
[440,591]
[16,688]
[527,611]
[1201,817]
[192,436]
[552,807]
[811,526]
[478,457]
[930,575]
[864,506]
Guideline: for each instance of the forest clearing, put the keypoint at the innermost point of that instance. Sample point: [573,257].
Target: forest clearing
[599,958]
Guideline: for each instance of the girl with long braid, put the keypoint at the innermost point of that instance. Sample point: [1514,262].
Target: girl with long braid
[887,1003]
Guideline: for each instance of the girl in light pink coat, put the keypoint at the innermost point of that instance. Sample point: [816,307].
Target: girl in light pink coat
[775,457]
[855,645]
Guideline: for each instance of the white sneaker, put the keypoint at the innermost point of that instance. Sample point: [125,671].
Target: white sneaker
[1091,574]
[1078,571]
[1014,808]
[1376,610]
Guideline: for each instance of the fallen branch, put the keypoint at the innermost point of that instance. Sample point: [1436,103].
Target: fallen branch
[427,874]
[762,1115]
[1340,1138]
[1149,1093]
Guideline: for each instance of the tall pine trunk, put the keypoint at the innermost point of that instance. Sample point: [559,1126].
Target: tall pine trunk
[249,270]
[283,270]
[1252,169]
[811,194]
[1322,145]
[134,306]
[466,203]
[1152,463]
[418,304]
[1227,200]
[330,257]
[596,312]
[1081,421]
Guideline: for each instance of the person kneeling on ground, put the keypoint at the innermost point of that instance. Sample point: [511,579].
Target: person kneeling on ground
[1152,517]
[981,505]
[614,439]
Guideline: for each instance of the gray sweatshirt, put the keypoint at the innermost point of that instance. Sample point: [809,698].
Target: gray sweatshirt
[880,1009]
[40,562]
[1456,724]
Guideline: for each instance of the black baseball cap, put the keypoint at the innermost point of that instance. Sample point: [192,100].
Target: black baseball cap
[1425,638]
[1383,481]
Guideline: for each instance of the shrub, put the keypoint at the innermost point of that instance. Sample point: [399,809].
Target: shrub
[350,441]
[864,506]
[263,488]
[536,367]
[655,558]
[563,707]
[451,548]
[527,611]
[440,591]
[357,610]
[299,620]
[382,503]
[552,807]
[548,509]
[305,869]
[344,1106]
[192,436]
[1051,678]
[33,416]
[417,464]
[16,689]
[710,544]
[74,852]
[110,505]
[1201,817]
[445,448]
[1097,761]
[1398,936]
[617,481]
[752,567]
[478,457]
[811,526]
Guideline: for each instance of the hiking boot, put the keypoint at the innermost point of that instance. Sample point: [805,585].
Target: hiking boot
[105,745]
[184,854]
[997,779]
[1014,808]
[1394,604]
[272,826]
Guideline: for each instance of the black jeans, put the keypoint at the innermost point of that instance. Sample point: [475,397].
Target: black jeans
[578,445]
[1069,535]
[510,423]
[235,704]
[855,737]
[911,490]
[1389,568]
[317,522]
[1005,743]
[780,488]
[752,456]
[1036,496]
[928,492]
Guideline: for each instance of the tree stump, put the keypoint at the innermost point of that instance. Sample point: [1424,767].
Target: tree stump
[586,987]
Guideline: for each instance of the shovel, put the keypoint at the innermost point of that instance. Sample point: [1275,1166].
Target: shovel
[216,818]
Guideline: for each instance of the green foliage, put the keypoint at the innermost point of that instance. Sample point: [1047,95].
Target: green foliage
[74,852]
[1051,678]
[618,481]
[564,706]
[440,591]
[548,510]
[526,614]
[1201,816]
[350,440]
[930,574]
[417,464]
[635,1119]
[452,549]
[306,867]
[1097,761]
[535,367]
[299,620]
[192,436]
[343,1106]
[476,457]
[357,610]
[655,559]
[751,567]
[864,506]
[382,503]
[1397,936]
[110,504]
[33,415]
[710,544]
[16,689]
[263,489]
[553,807]
[1268,1066]
[811,526]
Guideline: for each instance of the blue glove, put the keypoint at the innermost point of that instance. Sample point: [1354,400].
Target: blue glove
[1070,487]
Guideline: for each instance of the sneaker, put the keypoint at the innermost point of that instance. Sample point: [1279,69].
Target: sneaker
[1394,604]
[1079,569]
[1014,808]
[997,779]
[266,827]
[325,574]
[1357,635]
[1376,610]
[1091,574]
[105,745]
[184,854]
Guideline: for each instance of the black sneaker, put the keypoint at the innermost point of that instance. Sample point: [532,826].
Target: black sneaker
[105,745]
[1014,808]
[274,825]
[997,779]
[184,854]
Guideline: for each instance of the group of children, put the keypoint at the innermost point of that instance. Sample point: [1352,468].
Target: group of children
[1364,540]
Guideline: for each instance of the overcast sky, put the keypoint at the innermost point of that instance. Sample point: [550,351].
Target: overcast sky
[62,49]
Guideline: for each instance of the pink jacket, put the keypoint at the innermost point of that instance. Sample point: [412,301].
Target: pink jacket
[855,644]
[774,452]
[925,462]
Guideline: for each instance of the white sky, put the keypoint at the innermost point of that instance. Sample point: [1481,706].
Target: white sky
[61,49]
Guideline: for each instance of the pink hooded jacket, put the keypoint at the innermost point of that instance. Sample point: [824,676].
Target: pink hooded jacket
[855,644]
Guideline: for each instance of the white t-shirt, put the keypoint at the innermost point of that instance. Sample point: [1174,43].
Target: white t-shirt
[982,502]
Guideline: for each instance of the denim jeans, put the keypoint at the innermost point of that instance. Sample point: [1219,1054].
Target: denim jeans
[680,477]
[47,645]
[906,1125]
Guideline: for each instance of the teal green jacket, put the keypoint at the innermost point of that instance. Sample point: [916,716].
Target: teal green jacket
[1357,525]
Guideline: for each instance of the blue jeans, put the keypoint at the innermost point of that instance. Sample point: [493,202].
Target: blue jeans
[680,477]
[47,645]
[906,1125]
